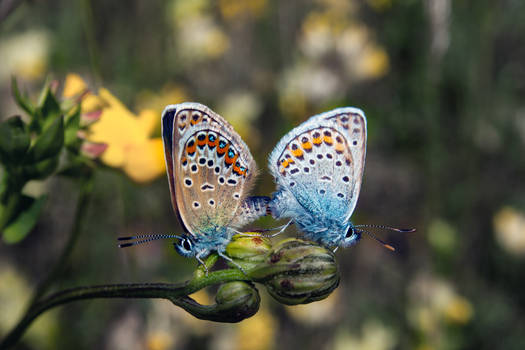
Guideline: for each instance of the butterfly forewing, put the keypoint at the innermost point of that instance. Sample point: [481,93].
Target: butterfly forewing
[212,168]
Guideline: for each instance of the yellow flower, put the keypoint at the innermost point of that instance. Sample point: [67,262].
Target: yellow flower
[434,301]
[373,62]
[233,8]
[159,340]
[509,226]
[128,137]
[458,310]
[321,312]
[257,332]
[14,294]
[374,336]
[24,55]
[157,100]
[74,85]
[129,145]
[241,109]
[379,5]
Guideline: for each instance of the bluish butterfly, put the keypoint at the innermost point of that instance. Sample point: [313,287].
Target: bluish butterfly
[210,171]
[318,168]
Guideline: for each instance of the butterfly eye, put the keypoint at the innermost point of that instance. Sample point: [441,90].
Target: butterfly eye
[350,232]
[184,247]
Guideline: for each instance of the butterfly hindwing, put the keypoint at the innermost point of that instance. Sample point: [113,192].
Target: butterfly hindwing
[321,162]
[212,168]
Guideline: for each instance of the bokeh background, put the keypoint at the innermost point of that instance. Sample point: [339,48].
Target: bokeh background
[442,83]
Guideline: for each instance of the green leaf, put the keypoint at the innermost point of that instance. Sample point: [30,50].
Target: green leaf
[14,141]
[25,222]
[49,143]
[22,101]
[11,206]
[40,170]
[72,126]
[48,106]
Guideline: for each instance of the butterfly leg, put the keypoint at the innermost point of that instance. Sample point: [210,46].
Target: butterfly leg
[280,228]
[198,257]
[226,257]
[246,234]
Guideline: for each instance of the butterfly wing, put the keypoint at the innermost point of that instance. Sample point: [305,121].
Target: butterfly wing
[210,169]
[321,162]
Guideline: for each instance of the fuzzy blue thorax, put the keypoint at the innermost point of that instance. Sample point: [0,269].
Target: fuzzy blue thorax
[206,241]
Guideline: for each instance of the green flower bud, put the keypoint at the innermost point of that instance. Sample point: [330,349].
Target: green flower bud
[235,301]
[248,251]
[298,272]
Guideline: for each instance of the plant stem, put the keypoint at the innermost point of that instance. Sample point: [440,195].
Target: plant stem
[82,202]
[176,293]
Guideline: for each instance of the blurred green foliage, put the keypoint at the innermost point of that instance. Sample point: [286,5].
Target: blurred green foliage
[442,85]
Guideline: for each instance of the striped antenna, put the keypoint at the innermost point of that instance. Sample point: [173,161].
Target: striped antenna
[404,230]
[375,238]
[140,239]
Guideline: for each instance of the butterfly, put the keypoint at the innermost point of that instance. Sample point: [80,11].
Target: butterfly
[210,172]
[318,168]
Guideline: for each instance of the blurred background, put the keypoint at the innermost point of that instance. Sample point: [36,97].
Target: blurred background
[443,86]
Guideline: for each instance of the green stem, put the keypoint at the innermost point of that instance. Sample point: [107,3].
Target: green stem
[176,293]
[82,202]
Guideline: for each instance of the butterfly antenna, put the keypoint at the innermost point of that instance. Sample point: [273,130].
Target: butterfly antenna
[404,230]
[143,239]
[380,241]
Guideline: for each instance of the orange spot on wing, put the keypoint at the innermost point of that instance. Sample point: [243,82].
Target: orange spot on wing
[238,170]
[306,146]
[229,160]
[196,121]
[297,153]
[339,147]
[203,142]
[328,140]
[221,151]
[317,140]
[213,143]
[191,149]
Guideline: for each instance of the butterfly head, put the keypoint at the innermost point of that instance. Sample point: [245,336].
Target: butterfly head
[351,236]
[185,246]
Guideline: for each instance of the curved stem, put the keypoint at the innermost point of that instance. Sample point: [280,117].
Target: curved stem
[176,293]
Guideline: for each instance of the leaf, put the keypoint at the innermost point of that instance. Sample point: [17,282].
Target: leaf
[40,170]
[72,126]
[11,205]
[49,143]
[21,101]
[48,106]
[24,223]
[14,141]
